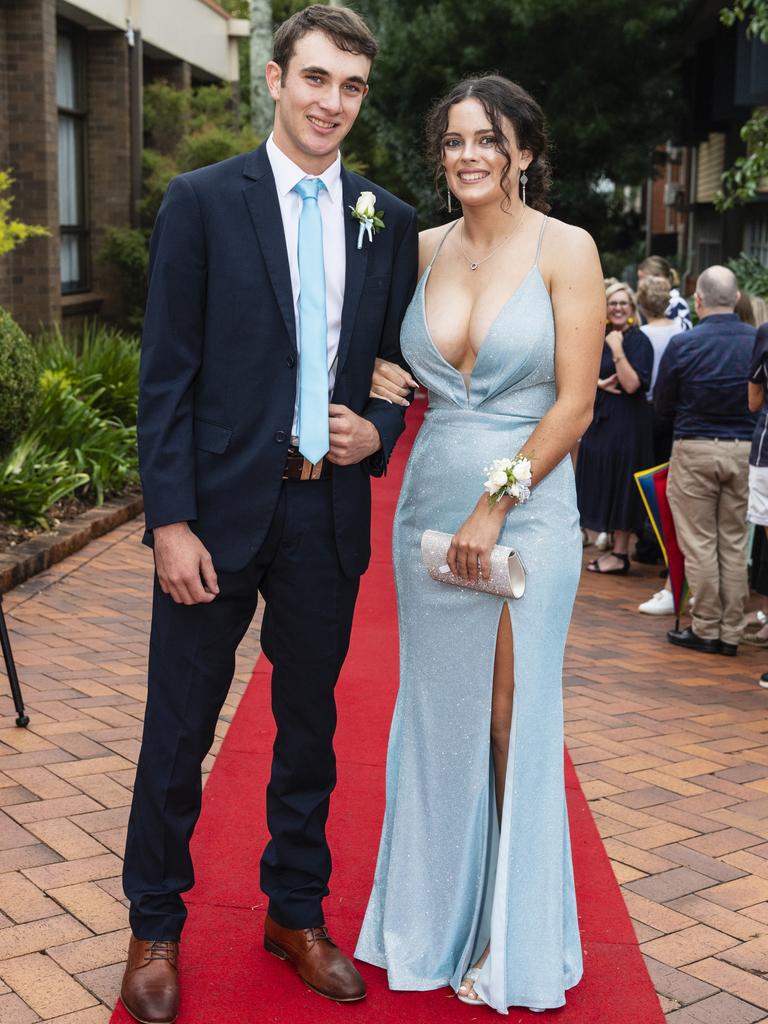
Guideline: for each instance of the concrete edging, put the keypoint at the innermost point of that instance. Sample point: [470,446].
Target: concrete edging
[36,555]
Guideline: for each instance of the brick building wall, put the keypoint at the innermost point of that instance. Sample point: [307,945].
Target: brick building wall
[99,58]
[108,155]
[29,284]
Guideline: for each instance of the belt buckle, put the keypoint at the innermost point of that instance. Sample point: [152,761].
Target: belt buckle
[312,471]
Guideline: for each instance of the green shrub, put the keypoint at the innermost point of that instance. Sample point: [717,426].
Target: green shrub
[213,105]
[184,131]
[18,381]
[210,145]
[32,478]
[157,171]
[67,423]
[166,115]
[751,275]
[128,251]
[103,365]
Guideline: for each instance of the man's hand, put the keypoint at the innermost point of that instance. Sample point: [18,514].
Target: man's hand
[352,437]
[184,567]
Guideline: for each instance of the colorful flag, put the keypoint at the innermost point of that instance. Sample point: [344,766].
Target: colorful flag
[653,490]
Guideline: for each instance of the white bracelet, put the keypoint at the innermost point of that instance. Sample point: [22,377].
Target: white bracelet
[509,477]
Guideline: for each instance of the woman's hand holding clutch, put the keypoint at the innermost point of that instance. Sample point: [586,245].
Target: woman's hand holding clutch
[391,382]
[469,555]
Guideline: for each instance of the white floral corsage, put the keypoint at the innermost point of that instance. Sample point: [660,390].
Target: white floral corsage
[510,477]
[371,219]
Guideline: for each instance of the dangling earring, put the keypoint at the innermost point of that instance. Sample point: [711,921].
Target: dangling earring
[448,191]
[523,182]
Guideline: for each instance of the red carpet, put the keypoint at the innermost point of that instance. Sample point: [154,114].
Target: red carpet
[227,976]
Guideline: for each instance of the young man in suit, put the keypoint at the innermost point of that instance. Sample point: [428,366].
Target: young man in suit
[257,439]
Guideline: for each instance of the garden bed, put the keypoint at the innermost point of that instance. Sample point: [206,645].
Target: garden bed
[36,553]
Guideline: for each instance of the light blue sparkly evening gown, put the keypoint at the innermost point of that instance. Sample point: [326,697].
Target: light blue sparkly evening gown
[448,880]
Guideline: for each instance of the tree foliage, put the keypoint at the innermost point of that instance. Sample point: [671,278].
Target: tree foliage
[751,275]
[183,131]
[741,182]
[604,72]
[13,232]
[753,13]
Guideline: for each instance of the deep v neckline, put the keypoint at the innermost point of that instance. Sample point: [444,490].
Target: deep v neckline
[507,302]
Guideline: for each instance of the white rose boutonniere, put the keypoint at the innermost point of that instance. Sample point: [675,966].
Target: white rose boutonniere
[371,220]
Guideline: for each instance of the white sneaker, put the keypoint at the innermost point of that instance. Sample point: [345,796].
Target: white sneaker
[662,603]
[603,542]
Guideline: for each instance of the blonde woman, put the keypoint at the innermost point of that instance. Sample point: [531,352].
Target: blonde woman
[619,439]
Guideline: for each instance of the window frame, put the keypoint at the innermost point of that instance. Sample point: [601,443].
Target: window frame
[79,116]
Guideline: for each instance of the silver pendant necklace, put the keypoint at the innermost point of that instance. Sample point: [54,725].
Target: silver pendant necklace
[474,264]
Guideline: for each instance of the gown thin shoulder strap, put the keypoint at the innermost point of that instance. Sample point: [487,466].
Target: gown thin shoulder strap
[541,236]
[442,241]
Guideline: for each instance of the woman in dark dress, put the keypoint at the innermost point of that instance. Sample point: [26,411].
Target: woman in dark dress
[619,440]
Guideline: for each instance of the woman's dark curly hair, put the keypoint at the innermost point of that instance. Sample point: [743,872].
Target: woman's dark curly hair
[500,99]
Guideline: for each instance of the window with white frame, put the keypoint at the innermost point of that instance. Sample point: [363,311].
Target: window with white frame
[70,95]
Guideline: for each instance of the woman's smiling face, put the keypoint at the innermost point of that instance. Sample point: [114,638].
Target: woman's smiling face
[619,310]
[473,163]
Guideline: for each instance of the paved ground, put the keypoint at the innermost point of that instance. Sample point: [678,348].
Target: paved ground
[671,749]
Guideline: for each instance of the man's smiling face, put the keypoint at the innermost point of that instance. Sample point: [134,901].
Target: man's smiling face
[317,100]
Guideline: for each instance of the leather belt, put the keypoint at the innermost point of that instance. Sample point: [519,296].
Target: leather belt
[299,468]
[728,440]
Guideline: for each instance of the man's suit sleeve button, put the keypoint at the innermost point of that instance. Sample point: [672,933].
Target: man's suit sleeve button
[281,436]
[291,361]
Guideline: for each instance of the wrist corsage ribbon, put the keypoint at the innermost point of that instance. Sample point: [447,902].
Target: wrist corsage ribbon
[509,477]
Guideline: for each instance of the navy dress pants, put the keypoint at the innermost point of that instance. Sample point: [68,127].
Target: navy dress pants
[305,635]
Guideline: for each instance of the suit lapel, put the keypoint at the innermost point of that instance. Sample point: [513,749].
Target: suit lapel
[357,260]
[261,199]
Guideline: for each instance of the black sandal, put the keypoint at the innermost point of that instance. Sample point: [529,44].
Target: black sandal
[594,565]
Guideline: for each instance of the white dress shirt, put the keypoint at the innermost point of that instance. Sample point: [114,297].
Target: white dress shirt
[331,204]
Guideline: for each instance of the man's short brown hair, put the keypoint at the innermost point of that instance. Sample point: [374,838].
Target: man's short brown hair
[343,27]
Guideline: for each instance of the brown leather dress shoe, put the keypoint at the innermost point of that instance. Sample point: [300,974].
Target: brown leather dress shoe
[150,989]
[319,961]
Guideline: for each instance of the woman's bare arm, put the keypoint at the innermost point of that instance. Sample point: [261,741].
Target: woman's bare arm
[572,268]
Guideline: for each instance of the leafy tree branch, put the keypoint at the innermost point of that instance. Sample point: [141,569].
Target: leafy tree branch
[13,232]
[741,182]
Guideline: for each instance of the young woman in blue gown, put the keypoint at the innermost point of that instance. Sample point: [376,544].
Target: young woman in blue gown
[474,882]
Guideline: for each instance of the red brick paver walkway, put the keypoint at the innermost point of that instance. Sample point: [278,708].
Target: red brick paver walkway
[671,749]
[79,634]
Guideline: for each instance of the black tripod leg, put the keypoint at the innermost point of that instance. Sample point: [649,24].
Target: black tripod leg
[10,666]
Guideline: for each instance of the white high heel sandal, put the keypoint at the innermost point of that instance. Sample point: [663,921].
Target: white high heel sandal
[469,979]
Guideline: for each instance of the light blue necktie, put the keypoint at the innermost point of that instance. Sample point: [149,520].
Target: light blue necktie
[313,331]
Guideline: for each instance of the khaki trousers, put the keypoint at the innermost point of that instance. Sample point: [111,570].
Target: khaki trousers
[708,491]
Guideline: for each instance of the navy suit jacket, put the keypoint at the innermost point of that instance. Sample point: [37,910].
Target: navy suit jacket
[219,358]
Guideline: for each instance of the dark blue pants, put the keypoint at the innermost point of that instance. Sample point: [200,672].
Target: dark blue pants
[305,634]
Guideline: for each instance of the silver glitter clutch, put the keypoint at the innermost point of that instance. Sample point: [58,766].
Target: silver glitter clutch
[508,570]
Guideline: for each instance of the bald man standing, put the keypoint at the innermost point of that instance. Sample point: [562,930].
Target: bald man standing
[702,386]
